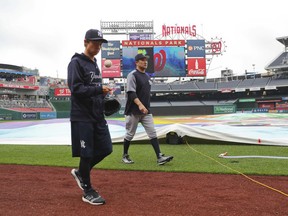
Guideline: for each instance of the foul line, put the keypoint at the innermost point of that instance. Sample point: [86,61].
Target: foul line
[253,180]
[224,155]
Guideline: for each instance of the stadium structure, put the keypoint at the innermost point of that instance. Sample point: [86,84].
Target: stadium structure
[27,95]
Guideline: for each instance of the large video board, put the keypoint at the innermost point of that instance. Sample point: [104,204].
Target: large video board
[166,58]
[162,61]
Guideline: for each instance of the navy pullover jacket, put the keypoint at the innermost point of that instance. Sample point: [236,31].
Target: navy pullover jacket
[85,84]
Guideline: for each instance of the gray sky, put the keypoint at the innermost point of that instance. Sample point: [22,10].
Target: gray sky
[44,34]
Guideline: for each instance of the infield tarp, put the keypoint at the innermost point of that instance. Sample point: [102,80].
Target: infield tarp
[251,128]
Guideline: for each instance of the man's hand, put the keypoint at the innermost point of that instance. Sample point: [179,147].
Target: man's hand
[106,89]
[143,109]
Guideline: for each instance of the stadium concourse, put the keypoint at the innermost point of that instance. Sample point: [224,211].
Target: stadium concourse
[250,128]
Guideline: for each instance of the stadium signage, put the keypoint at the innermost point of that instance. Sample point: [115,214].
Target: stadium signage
[259,110]
[111,68]
[196,67]
[268,101]
[255,89]
[270,88]
[29,115]
[247,100]
[172,30]
[62,92]
[240,89]
[282,111]
[48,115]
[196,48]
[199,72]
[225,90]
[140,36]
[111,50]
[127,43]
[2,85]
[282,105]
[222,109]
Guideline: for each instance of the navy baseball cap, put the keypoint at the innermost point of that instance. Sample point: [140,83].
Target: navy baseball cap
[95,35]
[140,56]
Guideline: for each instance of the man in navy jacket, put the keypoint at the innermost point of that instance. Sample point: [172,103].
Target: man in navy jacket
[90,134]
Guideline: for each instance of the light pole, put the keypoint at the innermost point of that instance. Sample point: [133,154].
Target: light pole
[253,65]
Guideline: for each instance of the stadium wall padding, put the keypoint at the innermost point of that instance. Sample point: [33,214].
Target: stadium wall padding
[182,110]
[9,115]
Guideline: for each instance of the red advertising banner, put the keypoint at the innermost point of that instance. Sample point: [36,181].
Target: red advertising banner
[282,105]
[141,43]
[111,68]
[266,105]
[30,79]
[3,85]
[62,92]
[196,67]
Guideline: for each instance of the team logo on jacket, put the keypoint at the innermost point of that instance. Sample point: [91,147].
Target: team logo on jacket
[95,78]
[82,143]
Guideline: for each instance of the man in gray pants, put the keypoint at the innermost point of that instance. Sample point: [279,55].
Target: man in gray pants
[138,110]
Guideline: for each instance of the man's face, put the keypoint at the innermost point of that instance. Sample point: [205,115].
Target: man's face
[93,47]
[142,64]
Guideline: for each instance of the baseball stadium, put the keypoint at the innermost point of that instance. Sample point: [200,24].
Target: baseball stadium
[228,135]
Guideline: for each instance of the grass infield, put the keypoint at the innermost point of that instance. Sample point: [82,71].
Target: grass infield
[197,158]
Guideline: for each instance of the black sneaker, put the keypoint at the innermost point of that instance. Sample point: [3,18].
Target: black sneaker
[126,159]
[75,173]
[164,159]
[92,197]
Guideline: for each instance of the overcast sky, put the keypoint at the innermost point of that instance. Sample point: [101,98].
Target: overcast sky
[44,34]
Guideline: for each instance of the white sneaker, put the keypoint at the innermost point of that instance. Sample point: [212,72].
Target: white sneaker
[126,159]
[164,159]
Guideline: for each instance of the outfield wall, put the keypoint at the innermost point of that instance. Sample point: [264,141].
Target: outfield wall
[182,110]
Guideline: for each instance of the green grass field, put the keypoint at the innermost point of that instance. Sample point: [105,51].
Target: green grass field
[197,158]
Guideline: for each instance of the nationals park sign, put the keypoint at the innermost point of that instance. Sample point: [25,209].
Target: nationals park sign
[178,30]
[144,43]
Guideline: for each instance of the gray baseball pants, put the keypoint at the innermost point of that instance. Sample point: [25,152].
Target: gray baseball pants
[132,124]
